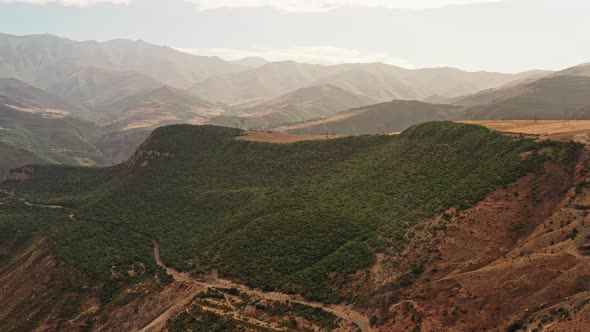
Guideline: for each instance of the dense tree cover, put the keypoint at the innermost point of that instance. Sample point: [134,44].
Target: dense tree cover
[277,216]
[65,185]
[18,225]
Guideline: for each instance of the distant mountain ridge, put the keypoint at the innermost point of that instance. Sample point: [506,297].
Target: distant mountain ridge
[90,75]
[160,106]
[45,60]
[118,91]
[300,105]
[20,94]
[375,80]
[394,116]
[549,97]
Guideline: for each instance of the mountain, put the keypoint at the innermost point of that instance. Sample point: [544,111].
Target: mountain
[13,157]
[377,81]
[251,62]
[29,137]
[544,96]
[46,60]
[394,116]
[118,146]
[25,95]
[579,70]
[90,75]
[94,89]
[53,138]
[544,99]
[164,105]
[300,105]
[319,235]
[268,81]
[48,131]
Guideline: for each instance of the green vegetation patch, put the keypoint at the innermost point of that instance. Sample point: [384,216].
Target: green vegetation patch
[289,217]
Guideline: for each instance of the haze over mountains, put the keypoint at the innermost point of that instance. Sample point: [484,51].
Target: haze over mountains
[145,189]
[121,88]
[294,166]
[378,81]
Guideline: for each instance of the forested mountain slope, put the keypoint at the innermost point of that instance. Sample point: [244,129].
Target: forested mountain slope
[305,218]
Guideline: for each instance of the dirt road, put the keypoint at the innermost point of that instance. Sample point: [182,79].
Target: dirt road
[183,299]
[341,311]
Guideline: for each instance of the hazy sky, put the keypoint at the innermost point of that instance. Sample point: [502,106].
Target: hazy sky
[502,35]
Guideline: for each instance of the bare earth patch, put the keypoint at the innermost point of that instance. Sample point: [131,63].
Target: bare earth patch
[271,137]
[333,118]
[548,129]
[45,111]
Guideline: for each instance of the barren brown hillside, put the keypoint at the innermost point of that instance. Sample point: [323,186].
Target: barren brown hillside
[518,259]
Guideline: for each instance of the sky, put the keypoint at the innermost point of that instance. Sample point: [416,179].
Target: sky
[492,35]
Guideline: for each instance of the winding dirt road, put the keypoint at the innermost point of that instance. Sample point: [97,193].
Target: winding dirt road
[341,311]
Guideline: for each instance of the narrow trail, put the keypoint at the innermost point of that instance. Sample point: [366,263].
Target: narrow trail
[27,203]
[341,311]
[43,206]
[582,236]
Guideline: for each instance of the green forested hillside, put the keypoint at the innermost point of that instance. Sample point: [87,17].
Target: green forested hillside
[31,138]
[14,157]
[49,132]
[288,217]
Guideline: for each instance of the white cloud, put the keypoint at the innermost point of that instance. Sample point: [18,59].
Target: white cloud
[79,3]
[323,5]
[287,5]
[325,55]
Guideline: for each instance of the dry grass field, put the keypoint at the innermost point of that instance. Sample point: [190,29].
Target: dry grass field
[577,130]
[271,137]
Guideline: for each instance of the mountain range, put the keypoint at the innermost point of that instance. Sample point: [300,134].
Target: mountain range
[124,89]
[378,81]
[146,189]
[300,105]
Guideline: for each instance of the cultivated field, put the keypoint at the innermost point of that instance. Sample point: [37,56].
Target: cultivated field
[577,130]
